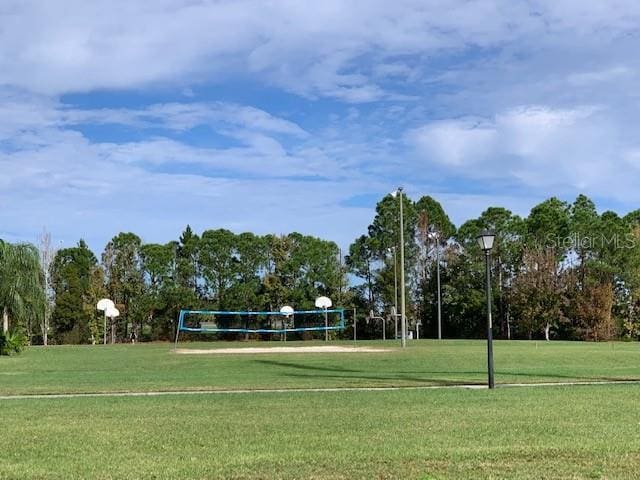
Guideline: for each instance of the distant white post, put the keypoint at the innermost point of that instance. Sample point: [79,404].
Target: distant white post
[373,316]
[287,311]
[104,305]
[324,303]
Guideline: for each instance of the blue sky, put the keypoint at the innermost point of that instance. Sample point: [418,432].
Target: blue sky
[287,115]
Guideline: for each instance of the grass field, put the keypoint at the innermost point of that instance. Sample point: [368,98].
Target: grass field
[147,367]
[529,432]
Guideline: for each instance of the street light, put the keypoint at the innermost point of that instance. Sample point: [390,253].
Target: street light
[485,240]
[403,321]
[436,238]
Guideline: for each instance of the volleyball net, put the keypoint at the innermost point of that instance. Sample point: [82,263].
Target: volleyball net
[214,321]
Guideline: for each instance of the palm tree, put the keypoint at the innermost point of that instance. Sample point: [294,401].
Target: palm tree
[21,291]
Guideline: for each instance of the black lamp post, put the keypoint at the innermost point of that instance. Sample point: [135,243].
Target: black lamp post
[485,240]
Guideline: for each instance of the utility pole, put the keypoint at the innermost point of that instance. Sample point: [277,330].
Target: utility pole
[403,318]
[395,291]
[438,282]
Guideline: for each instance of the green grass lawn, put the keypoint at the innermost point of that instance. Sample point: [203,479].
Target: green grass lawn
[537,432]
[146,367]
[532,433]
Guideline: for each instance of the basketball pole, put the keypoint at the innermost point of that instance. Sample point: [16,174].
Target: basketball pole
[104,328]
[326,326]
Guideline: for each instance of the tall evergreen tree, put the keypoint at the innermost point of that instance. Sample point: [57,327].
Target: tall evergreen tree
[121,261]
[72,280]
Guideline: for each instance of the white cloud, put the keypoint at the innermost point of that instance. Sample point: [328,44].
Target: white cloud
[55,176]
[184,116]
[455,143]
[309,48]
[537,147]
[76,188]
[537,132]
[610,74]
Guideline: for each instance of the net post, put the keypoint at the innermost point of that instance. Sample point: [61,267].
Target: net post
[180,317]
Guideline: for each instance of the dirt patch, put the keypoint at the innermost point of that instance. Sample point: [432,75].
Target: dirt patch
[249,350]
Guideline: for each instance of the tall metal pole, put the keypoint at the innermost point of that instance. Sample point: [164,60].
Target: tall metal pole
[489,323]
[384,329]
[403,320]
[104,327]
[438,281]
[326,326]
[395,290]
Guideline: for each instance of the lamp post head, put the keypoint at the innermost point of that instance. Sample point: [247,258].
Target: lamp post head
[396,192]
[485,240]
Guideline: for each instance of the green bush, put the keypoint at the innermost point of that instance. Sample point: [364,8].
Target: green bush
[12,342]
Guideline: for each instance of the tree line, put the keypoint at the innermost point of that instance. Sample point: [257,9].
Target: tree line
[150,282]
[563,272]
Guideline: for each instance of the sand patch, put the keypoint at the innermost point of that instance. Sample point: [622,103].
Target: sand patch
[249,350]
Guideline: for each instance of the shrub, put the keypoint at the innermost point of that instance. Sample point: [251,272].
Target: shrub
[12,342]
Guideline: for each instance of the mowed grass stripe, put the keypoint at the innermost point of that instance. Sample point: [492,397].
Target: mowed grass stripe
[54,396]
[561,432]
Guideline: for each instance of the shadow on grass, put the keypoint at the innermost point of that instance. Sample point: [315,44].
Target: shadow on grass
[424,377]
[351,374]
[274,363]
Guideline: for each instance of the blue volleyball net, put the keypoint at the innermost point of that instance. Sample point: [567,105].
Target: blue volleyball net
[213,321]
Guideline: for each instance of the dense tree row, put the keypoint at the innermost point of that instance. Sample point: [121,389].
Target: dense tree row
[220,270]
[565,271]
